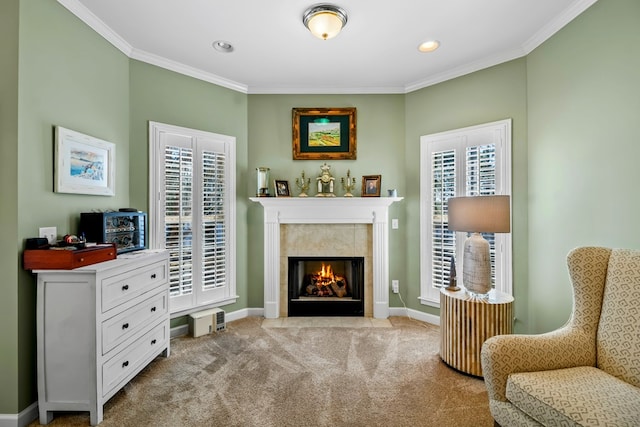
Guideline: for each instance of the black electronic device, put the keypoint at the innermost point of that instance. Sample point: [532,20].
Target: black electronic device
[125,229]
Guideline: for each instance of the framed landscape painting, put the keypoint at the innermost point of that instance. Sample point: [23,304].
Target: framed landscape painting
[324,133]
[84,164]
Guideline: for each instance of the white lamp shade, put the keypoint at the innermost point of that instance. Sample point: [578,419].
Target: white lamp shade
[479,214]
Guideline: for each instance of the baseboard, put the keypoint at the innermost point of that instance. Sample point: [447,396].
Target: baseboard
[24,418]
[182,330]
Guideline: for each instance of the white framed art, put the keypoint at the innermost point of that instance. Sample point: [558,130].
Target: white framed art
[84,164]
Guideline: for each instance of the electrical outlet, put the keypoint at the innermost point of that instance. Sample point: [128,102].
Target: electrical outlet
[51,233]
[394,223]
[395,286]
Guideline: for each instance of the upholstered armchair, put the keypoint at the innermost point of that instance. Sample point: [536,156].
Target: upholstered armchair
[586,373]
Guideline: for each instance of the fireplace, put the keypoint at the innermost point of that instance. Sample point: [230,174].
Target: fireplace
[367,219]
[326,286]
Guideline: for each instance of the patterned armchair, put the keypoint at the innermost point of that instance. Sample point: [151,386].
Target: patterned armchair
[586,373]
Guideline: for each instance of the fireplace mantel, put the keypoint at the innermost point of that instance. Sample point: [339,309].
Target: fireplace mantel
[326,210]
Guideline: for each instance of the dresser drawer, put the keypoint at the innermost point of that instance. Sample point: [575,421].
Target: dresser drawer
[128,323]
[119,289]
[127,362]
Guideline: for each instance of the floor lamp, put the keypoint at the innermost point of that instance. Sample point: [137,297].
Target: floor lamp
[478,214]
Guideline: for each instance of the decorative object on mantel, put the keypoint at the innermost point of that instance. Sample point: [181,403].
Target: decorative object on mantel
[303,185]
[478,214]
[324,133]
[371,185]
[325,182]
[348,184]
[282,188]
[262,174]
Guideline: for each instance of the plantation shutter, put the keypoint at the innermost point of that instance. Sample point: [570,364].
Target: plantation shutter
[443,164]
[178,218]
[213,220]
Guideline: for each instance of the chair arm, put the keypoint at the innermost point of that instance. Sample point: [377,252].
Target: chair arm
[506,354]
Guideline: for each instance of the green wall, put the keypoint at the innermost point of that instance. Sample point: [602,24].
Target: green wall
[73,78]
[9,250]
[380,136]
[485,96]
[584,122]
[574,101]
[164,96]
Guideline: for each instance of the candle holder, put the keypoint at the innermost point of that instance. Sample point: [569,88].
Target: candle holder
[262,175]
[348,184]
[303,185]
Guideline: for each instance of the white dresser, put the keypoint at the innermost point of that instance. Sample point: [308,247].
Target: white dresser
[98,326]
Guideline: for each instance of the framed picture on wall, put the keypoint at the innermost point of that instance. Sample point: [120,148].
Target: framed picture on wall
[83,164]
[371,185]
[324,133]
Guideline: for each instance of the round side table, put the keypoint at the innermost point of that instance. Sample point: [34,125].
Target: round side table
[467,321]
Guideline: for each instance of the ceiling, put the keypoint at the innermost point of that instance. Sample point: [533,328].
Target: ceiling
[375,53]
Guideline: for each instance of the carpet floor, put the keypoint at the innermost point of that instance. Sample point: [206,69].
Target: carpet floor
[273,376]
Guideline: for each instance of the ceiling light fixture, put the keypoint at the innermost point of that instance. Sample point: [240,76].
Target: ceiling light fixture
[222,46]
[325,21]
[429,46]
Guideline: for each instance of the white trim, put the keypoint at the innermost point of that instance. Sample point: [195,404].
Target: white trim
[500,132]
[217,297]
[24,418]
[326,210]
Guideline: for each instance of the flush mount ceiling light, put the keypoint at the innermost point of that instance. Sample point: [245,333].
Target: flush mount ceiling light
[325,20]
[222,46]
[429,46]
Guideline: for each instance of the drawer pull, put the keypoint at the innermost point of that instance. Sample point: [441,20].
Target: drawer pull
[153,308]
[153,342]
[81,259]
[125,326]
[125,287]
[153,276]
[125,363]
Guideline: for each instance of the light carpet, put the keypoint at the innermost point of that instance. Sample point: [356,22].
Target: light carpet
[287,375]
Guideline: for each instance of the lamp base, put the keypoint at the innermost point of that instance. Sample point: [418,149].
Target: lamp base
[476,265]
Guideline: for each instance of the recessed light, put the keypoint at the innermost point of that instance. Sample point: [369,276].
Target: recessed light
[222,46]
[429,46]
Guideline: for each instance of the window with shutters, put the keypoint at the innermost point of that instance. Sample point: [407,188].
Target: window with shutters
[192,214]
[474,161]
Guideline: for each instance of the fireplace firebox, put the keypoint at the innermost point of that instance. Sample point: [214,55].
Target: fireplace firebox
[326,286]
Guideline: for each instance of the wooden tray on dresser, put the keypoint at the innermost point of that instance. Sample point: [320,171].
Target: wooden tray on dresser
[65,259]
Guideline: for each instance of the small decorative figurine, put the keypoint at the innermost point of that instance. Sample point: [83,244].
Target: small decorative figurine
[325,182]
[303,184]
[348,184]
[453,280]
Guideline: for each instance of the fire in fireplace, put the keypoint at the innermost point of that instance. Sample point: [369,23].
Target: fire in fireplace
[326,286]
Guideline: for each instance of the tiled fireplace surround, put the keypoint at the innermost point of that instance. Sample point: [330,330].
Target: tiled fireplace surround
[326,227]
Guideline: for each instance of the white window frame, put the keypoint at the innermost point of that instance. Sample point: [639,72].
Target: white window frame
[498,132]
[158,132]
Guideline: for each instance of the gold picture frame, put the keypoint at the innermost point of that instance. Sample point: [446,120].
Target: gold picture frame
[324,133]
[371,185]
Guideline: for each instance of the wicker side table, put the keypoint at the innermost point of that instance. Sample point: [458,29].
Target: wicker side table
[466,321]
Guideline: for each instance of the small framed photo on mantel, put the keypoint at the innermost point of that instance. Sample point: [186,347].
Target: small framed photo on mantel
[282,188]
[371,185]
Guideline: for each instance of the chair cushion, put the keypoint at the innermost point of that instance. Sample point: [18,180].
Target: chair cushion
[582,396]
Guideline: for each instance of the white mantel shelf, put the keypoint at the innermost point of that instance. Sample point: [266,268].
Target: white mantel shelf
[326,210]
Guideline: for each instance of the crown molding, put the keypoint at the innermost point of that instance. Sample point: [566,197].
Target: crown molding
[556,24]
[95,23]
[186,70]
